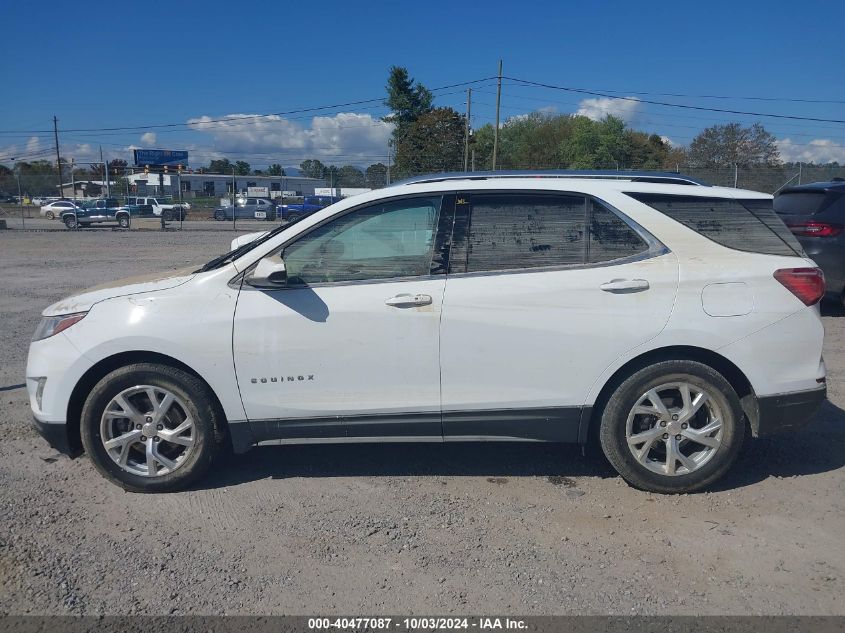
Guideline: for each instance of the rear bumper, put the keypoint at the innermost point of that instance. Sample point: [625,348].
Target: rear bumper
[787,412]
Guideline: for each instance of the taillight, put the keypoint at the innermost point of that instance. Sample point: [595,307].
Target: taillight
[815,229]
[805,283]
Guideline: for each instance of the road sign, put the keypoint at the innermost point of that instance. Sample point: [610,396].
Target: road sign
[160,157]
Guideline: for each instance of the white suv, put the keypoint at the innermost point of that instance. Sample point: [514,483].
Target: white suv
[661,318]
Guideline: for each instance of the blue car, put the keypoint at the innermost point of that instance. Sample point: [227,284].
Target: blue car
[310,204]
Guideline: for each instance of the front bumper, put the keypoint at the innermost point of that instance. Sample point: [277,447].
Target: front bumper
[56,435]
[787,412]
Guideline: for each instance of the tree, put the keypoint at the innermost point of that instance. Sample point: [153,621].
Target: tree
[407,101]
[732,144]
[117,167]
[434,142]
[220,166]
[375,176]
[276,170]
[351,176]
[312,168]
[242,168]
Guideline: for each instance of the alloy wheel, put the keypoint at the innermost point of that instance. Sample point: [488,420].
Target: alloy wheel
[147,431]
[674,428]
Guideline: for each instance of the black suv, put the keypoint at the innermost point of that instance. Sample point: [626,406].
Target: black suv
[815,213]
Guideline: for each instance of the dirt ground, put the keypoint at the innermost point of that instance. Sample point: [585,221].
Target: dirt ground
[399,529]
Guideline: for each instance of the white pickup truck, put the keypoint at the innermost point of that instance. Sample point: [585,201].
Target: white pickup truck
[163,207]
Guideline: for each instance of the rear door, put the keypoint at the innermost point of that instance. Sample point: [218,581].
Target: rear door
[544,292]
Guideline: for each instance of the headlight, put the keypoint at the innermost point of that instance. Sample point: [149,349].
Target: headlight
[55,324]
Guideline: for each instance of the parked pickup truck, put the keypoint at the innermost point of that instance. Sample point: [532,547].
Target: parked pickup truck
[105,210]
[309,205]
[162,207]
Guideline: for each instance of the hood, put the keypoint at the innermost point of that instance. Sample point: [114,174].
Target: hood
[246,239]
[84,300]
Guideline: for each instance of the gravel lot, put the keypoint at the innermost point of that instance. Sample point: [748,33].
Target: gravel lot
[526,529]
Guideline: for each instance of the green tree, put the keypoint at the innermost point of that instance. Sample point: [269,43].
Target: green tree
[351,176]
[434,142]
[733,144]
[375,176]
[312,168]
[276,170]
[644,151]
[242,168]
[407,101]
[220,166]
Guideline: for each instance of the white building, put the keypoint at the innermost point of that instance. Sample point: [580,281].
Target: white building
[219,185]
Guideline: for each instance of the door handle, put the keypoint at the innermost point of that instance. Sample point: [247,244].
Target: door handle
[405,300]
[623,286]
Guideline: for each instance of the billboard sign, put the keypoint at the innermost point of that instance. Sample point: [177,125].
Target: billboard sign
[257,192]
[160,157]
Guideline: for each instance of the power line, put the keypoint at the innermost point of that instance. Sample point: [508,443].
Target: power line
[673,105]
[230,119]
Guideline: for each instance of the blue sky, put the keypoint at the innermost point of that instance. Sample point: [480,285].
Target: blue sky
[100,65]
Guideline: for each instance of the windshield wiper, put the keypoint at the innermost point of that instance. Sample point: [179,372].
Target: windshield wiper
[225,258]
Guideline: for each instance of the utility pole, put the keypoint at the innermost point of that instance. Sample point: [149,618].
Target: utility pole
[467,130]
[736,174]
[473,159]
[106,172]
[387,179]
[799,172]
[496,129]
[58,157]
[72,181]
[234,208]
[20,196]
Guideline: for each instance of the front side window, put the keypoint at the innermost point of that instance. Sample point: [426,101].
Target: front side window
[382,241]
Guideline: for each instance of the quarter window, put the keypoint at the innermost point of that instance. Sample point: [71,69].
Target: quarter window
[610,237]
[382,241]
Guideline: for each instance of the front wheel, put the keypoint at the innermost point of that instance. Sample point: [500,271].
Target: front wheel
[673,427]
[167,214]
[70,221]
[151,428]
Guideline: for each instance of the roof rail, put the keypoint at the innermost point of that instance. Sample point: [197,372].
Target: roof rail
[634,176]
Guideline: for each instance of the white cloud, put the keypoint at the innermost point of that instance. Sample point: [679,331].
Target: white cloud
[344,138]
[33,145]
[148,139]
[628,109]
[820,150]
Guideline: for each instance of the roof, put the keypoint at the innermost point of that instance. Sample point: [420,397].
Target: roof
[599,174]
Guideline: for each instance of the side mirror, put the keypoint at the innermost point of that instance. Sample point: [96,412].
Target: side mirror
[270,273]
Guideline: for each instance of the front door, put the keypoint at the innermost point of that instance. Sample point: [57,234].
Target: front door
[544,292]
[350,345]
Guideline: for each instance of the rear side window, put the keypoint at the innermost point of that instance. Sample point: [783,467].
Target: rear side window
[512,231]
[803,203]
[744,225]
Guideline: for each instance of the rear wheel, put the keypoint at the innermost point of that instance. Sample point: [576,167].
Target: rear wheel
[123,221]
[151,428]
[220,215]
[50,215]
[167,214]
[673,427]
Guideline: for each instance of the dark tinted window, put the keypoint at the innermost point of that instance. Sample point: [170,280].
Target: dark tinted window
[610,237]
[509,231]
[744,225]
[803,203]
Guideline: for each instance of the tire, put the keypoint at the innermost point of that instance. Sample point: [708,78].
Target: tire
[123,221]
[167,214]
[671,429]
[70,221]
[191,398]
[50,215]
[220,216]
